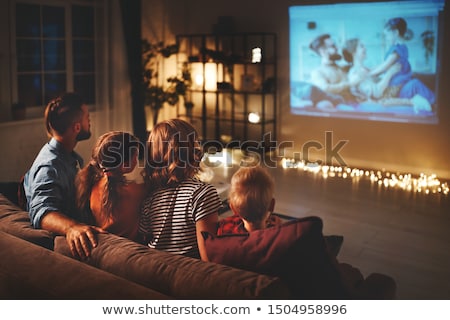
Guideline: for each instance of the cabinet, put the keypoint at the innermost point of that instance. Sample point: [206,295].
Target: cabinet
[233,87]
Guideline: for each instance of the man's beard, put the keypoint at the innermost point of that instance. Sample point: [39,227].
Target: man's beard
[83,135]
[335,57]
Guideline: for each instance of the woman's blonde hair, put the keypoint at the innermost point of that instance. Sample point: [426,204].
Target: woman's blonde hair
[251,192]
[174,153]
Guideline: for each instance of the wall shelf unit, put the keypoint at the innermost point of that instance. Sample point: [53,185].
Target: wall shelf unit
[233,86]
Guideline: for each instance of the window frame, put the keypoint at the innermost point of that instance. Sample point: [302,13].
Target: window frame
[36,111]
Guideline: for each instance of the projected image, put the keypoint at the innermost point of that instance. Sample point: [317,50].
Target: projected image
[375,61]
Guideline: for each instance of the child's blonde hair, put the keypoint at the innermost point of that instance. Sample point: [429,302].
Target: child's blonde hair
[251,193]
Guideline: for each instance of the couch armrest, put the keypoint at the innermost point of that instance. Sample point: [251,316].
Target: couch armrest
[175,275]
[16,222]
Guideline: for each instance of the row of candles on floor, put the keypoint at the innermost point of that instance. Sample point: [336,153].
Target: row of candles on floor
[423,183]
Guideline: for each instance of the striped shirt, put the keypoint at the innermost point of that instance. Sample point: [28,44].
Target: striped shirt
[169,216]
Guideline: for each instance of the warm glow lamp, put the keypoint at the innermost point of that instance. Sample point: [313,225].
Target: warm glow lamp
[254,117]
[205,75]
[256,55]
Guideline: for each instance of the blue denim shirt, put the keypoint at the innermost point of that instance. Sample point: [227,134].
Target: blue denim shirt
[50,183]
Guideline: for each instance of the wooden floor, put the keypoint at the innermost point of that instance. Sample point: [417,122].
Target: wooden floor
[392,231]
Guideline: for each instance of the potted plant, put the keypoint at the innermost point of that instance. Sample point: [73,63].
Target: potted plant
[156,94]
[180,86]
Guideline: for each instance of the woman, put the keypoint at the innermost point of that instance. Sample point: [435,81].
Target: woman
[364,85]
[179,206]
[104,194]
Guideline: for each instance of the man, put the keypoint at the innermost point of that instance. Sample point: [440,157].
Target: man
[329,76]
[49,185]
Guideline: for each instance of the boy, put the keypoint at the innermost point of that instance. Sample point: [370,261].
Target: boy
[251,199]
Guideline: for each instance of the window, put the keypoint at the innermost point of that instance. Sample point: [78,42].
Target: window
[55,50]
[83,51]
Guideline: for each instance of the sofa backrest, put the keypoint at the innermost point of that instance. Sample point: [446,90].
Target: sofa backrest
[28,271]
[175,275]
[16,222]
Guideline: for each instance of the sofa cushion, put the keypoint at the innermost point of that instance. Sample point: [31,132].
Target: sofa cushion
[28,271]
[175,275]
[15,221]
[294,251]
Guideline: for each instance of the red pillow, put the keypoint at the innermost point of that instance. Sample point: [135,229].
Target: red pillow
[295,251]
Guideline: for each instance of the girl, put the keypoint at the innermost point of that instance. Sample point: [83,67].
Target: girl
[402,84]
[103,192]
[179,206]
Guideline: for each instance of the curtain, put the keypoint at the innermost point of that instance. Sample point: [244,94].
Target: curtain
[118,77]
[131,21]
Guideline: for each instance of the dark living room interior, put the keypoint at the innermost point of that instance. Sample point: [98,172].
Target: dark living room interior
[239,72]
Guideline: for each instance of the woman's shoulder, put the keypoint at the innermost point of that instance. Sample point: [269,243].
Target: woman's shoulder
[195,182]
[192,187]
[197,186]
[191,184]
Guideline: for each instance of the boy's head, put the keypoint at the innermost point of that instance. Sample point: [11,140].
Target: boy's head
[252,193]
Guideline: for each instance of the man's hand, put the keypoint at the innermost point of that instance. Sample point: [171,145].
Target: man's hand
[82,239]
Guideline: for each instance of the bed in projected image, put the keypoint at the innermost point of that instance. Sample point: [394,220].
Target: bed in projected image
[361,60]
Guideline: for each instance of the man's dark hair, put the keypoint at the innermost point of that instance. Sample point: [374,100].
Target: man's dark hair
[318,42]
[62,111]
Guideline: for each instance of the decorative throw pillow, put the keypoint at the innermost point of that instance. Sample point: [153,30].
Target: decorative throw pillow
[295,251]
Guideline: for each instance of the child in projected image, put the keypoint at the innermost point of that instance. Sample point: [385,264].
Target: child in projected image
[367,88]
[402,84]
